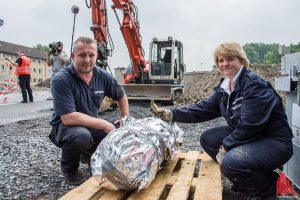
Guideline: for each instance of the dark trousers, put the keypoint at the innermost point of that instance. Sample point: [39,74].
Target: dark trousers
[249,166]
[74,142]
[24,82]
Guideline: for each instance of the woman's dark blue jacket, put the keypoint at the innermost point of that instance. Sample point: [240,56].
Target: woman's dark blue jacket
[253,110]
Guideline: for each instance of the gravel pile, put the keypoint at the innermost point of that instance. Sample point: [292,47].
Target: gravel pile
[204,88]
[30,163]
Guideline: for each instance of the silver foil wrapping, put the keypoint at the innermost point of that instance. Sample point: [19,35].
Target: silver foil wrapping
[129,157]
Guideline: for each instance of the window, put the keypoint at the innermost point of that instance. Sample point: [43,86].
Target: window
[33,60]
[40,80]
[34,80]
[39,61]
[34,70]
[2,68]
[40,71]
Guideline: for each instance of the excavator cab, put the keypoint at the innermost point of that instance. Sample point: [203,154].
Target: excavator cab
[166,61]
[163,74]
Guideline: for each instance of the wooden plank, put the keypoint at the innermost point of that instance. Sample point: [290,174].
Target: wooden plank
[208,185]
[155,189]
[185,154]
[113,195]
[86,190]
[181,188]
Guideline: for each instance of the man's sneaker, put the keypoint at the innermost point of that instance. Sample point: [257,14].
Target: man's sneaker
[74,178]
[31,101]
[24,101]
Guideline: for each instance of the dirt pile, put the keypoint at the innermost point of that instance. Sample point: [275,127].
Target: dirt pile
[204,88]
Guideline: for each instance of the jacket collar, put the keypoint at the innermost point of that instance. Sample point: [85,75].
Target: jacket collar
[71,69]
[237,82]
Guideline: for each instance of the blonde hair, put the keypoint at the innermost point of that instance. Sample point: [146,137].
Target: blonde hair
[231,49]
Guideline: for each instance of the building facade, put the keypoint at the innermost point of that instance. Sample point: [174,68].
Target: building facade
[39,69]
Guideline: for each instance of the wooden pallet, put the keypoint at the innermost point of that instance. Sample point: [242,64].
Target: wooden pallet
[174,182]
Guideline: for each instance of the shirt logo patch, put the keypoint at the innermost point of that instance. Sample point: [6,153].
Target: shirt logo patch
[237,100]
[237,103]
[98,92]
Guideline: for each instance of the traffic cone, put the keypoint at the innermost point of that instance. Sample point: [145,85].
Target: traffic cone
[284,186]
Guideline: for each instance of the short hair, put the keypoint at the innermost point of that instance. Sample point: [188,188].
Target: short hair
[231,49]
[20,51]
[85,40]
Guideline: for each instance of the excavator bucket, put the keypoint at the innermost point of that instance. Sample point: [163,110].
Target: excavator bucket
[148,91]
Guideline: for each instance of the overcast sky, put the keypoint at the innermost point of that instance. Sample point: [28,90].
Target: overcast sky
[200,24]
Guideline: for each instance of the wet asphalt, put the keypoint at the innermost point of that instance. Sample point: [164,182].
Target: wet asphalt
[11,110]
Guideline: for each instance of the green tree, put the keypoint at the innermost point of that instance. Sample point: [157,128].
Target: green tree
[260,53]
[42,47]
[272,57]
[252,55]
[295,47]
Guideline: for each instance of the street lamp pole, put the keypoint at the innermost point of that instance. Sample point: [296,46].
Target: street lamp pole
[75,10]
[1,22]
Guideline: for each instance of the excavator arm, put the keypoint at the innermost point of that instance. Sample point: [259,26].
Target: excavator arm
[99,29]
[129,28]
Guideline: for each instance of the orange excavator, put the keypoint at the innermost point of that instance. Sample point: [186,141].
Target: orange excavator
[158,79]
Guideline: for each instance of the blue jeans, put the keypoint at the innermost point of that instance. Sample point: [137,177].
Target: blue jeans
[249,166]
[75,141]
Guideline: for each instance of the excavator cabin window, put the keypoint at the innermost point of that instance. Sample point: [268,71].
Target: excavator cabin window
[161,60]
[167,56]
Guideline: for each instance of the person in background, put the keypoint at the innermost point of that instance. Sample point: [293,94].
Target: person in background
[56,58]
[22,65]
[257,139]
[78,91]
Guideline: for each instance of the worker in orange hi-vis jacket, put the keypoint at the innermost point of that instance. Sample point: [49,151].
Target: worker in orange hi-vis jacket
[22,65]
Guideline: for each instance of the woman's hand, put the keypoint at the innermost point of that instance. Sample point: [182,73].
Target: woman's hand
[162,113]
[221,154]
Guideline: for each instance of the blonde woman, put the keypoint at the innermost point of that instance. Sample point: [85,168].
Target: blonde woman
[257,138]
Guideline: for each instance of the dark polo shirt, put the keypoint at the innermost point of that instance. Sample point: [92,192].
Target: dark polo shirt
[71,94]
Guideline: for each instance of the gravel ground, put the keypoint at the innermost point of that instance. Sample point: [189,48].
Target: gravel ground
[30,163]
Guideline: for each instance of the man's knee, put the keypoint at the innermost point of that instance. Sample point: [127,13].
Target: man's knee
[80,138]
[83,137]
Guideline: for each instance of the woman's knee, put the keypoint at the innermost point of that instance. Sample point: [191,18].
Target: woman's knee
[204,139]
[213,137]
[234,164]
